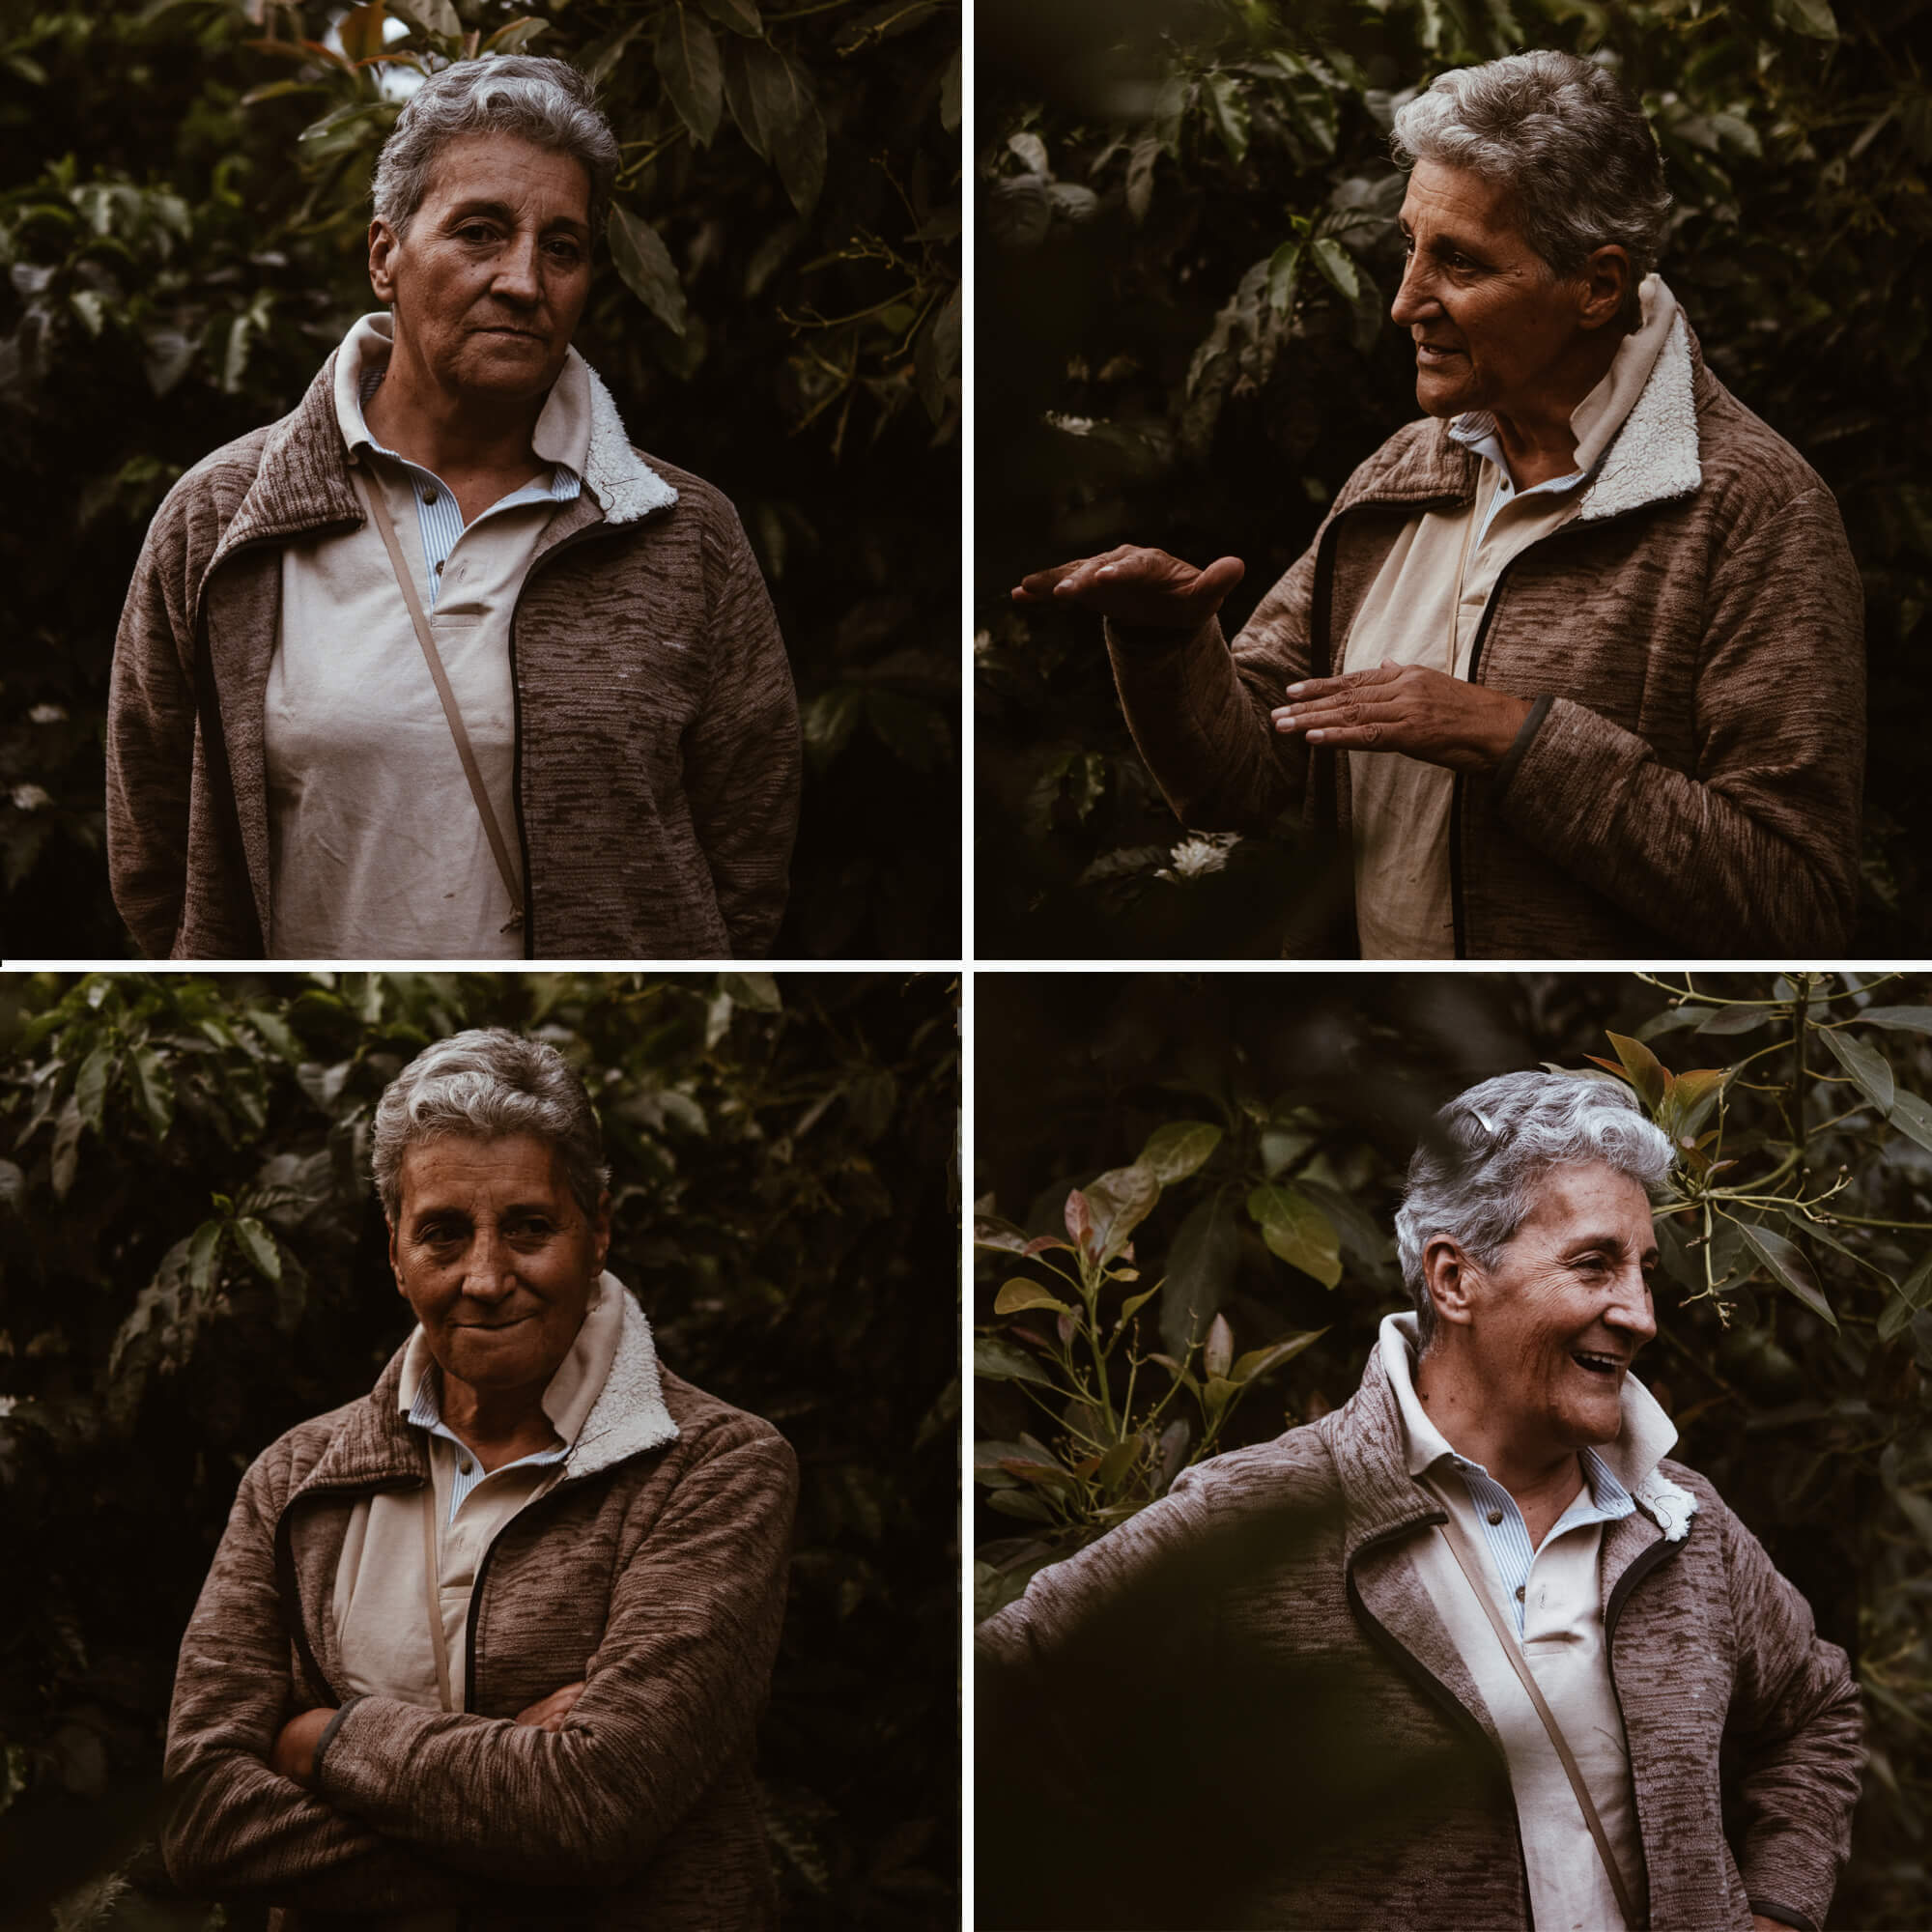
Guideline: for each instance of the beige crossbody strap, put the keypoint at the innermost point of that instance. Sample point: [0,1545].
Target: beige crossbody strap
[433,1592]
[500,852]
[1514,1652]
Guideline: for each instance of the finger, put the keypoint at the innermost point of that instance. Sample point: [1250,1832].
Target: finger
[1386,673]
[1039,584]
[1316,720]
[1219,578]
[1125,563]
[1372,736]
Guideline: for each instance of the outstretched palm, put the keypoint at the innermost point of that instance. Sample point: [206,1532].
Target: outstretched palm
[1137,587]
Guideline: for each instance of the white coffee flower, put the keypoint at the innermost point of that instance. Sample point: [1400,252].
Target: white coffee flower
[1195,858]
[31,797]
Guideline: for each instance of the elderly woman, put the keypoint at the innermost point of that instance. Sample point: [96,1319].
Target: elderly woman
[1573,667]
[439,666]
[1468,1650]
[487,1647]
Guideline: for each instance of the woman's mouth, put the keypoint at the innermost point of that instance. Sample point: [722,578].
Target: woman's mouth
[1597,1364]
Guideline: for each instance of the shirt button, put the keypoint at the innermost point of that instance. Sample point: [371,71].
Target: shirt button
[465,1465]
[1519,1593]
[1496,1516]
[440,562]
[429,494]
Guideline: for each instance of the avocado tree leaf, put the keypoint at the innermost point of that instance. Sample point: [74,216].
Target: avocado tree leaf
[1004,1361]
[1296,1230]
[1200,1271]
[1787,1265]
[1118,1202]
[1870,1070]
[686,53]
[644,262]
[1177,1150]
[1019,1293]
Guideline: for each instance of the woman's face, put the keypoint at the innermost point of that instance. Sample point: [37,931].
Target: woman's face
[493,271]
[495,1257]
[1493,329]
[1555,1324]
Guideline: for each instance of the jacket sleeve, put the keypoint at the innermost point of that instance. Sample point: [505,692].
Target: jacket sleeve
[1796,1726]
[671,1694]
[1199,708]
[1758,852]
[151,747]
[237,1829]
[741,755]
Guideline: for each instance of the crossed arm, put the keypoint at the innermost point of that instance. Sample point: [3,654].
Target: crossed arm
[409,1806]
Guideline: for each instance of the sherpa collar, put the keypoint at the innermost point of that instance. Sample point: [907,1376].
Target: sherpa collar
[374,1444]
[302,481]
[1653,458]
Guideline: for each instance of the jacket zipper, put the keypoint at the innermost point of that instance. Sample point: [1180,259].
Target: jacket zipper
[603,527]
[1460,777]
[284,1568]
[1435,1690]
[204,669]
[1659,1553]
[1321,614]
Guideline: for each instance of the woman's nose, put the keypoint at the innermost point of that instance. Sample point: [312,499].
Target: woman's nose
[1411,296]
[1631,1310]
[488,1274]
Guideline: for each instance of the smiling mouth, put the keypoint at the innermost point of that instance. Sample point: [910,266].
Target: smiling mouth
[1434,351]
[1599,1364]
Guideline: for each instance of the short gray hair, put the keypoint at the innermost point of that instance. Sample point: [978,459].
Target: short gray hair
[1474,1178]
[487,1084]
[545,101]
[1567,140]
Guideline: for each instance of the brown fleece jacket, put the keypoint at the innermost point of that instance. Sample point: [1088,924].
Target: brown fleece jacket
[655,1570]
[1241,1709]
[657,750]
[1693,639]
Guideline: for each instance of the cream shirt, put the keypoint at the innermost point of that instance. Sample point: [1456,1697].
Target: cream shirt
[375,847]
[1560,1615]
[1400,806]
[381,1593]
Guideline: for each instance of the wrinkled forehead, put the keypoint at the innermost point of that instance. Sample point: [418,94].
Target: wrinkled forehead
[1460,204]
[505,173]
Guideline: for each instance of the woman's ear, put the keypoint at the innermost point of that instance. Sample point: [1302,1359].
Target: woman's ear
[600,1229]
[1605,281]
[1449,1276]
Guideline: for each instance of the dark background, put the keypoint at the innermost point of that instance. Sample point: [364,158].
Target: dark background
[1816,1435]
[785,1205]
[183,211]
[1138,167]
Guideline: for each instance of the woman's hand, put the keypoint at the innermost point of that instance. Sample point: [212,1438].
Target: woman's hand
[1143,587]
[1422,714]
[549,1713]
[293,1754]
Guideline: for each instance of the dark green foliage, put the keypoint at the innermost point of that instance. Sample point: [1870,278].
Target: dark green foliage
[1182,341]
[182,213]
[1794,1343]
[193,1261]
